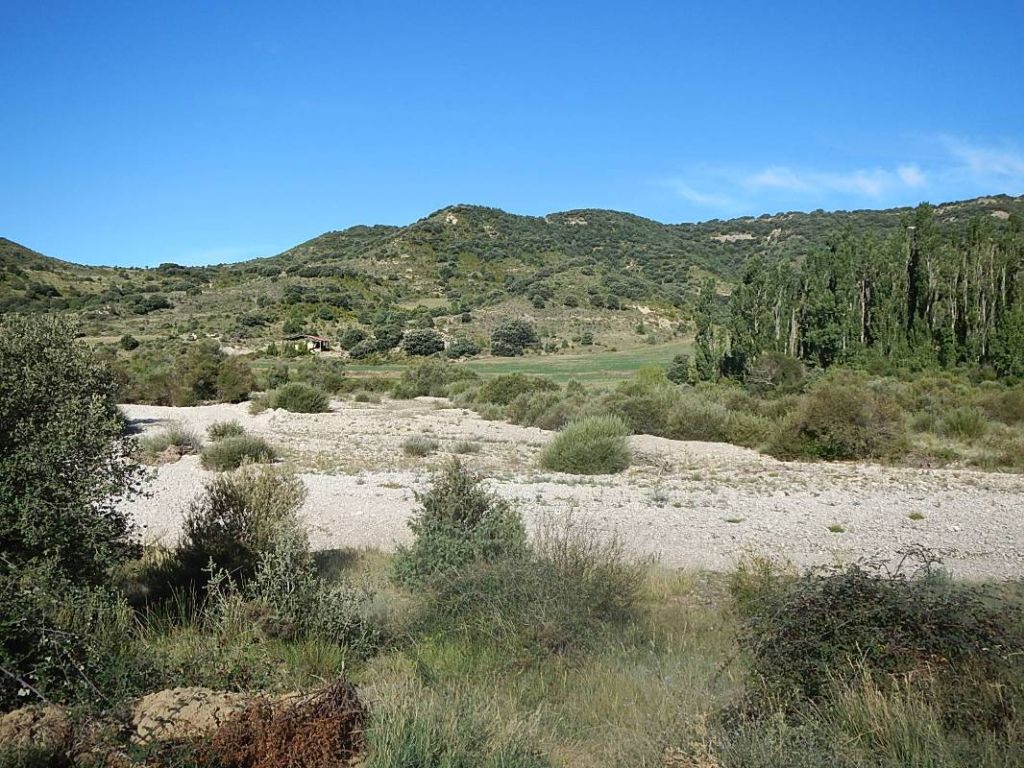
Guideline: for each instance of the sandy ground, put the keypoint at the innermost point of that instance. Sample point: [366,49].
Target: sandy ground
[691,504]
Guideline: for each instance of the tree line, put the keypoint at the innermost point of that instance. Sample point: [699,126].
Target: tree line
[928,296]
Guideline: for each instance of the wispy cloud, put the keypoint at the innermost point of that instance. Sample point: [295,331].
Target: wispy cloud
[955,168]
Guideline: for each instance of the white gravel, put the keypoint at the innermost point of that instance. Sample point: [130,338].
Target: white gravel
[698,505]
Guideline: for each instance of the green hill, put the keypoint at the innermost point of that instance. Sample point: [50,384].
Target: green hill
[599,270]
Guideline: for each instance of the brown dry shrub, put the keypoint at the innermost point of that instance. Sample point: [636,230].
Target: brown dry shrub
[326,728]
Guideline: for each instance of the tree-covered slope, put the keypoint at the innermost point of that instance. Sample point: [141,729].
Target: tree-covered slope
[460,258]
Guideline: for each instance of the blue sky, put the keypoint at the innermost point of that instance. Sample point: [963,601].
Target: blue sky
[201,132]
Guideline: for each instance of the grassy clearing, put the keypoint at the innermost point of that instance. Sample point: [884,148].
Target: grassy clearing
[598,367]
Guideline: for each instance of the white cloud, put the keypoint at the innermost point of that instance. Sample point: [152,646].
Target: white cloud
[958,169]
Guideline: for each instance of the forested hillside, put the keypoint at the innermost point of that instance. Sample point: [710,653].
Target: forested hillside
[935,284]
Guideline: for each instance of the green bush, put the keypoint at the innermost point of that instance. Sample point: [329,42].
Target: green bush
[502,390]
[184,440]
[775,372]
[1006,406]
[594,445]
[66,642]
[128,342]
[965,423]
[287,599]
[459,523]
[646,408]
[422,342]
[326,374]
[430,378]
[418,445]
[221,429]
[232,452]
[557,598]
[462,347]
[801,634]
[298,397]
[66,462]
[366,397]
[696,418]
[512,337]
[240,517]
[841,421]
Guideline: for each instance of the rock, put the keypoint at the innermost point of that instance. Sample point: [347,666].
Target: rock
[38,726]
[183,713]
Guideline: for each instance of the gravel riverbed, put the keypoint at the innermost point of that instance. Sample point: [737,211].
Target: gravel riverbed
[691,504]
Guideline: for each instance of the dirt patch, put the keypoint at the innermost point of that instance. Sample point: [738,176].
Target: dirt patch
[181,714]
[44,727]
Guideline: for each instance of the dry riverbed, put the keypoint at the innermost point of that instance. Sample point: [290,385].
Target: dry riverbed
[698,505]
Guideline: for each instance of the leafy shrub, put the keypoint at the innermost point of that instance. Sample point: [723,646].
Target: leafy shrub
[775,372]
[646,408]
[841,421]
[965,423]
[422,342]
[362,349]
[234,380]
[298,397]
[557,598]
[462,347]
[176,436]
[65,459]
[418,445]
[803,633]
[287,599]
[350,337]
[240,517]
[459,522]
[502,390]
[326,374]
[466,446]
[594,445]
[221,429]
[430,378]
[366,397]
[128,342]
[1006,406]
[512,337]
[695,418]
[66,642]
[678,371]
[232,452]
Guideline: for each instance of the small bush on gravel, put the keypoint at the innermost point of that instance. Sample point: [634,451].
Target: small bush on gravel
[466,446]
[184,441]
[240,517]
[419,446]
[841,421]
[221,429]
[298,397]
[594,445]
[459,522]
[366,397]
[232,452]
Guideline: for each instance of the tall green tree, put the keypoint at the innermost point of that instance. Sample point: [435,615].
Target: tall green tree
[65,458]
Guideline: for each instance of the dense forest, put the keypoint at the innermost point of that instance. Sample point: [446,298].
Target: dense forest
[923,296]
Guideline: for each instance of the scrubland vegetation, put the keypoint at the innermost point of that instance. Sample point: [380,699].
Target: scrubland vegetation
[478,644]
